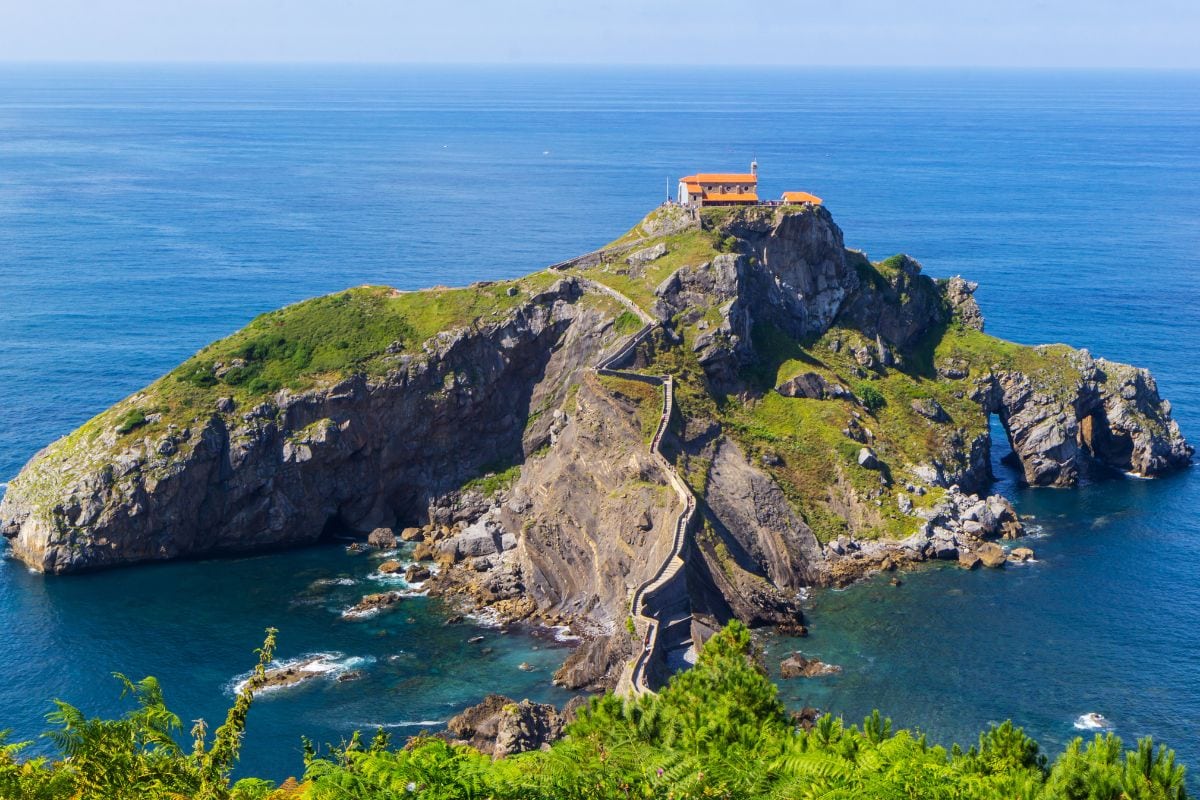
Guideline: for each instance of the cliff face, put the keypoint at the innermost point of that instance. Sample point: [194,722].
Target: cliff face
[830,414]
[346,457]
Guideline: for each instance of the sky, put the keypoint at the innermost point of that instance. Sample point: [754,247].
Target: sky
[905,33]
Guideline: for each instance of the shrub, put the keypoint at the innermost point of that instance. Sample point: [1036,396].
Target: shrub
[871,398]
[130,420]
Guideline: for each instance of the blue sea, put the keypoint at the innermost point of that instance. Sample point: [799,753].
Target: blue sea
[146,211]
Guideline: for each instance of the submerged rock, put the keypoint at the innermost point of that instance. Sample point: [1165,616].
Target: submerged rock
[797,665]
[372,604]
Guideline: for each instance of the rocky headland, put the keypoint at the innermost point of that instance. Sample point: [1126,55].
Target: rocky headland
[828,415]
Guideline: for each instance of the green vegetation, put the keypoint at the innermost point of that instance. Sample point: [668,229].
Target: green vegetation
[494,480]
[645,396]
[716,731]
[130,420]
[626,323]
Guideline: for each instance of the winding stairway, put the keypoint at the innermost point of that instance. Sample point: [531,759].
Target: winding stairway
[660,606]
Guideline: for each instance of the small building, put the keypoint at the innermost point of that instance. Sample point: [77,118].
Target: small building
[796,198]
[720,188]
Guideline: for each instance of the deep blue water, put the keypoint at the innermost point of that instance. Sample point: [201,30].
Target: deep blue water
[147,211]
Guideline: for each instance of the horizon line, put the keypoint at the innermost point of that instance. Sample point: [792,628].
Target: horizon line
[676,67]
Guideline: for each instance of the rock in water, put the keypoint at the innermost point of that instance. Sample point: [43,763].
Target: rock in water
[1020,554]
[968,560]
[373,604]
[992,555]
[798,666]
[500,726]
[383,538]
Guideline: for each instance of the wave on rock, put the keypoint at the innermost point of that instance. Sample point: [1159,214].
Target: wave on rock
[302,670]
[1092,721]
[408,723]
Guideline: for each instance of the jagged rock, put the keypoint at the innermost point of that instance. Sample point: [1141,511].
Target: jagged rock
[416,573]
[1020,554]
[904,503]
[812,386]
[968,560]
[798,666]
[961,295]
[930,409]
[390,567]
[372,604]
[596,663]
[1095,415]
[992,555]
[383,538]
[867,458]
[500,726]
[646,254]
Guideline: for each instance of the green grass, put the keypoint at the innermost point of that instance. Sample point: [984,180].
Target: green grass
[494,480]
[644,396]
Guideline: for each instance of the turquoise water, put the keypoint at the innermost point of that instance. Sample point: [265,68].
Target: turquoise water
[144,212]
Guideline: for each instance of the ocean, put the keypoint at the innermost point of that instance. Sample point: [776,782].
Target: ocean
[145,211]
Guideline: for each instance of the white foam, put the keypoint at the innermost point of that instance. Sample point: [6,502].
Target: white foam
[1092,721]
[408,723]
[485,618]
[1137,476]
[319,665]
[562,633]
[390,578]
[334,582]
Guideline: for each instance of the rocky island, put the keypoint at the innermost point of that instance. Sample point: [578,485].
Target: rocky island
[692,425]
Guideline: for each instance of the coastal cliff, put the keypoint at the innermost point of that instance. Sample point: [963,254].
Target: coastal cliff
[830,416]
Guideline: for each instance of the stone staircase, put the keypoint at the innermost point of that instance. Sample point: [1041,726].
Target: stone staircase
[659,606]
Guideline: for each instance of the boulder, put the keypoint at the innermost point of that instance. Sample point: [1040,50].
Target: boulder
[372,604]
[417,573]
[797,665]
[867,458]
[930,409]
[383,538]
[992,555]
[812,386]
[968,560]
[390,567]
[646,254]
[412,535]
[1020,554]
[500,726]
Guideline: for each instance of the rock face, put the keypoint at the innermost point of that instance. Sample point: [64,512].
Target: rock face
[331,460]
[500,726]
[1093,416]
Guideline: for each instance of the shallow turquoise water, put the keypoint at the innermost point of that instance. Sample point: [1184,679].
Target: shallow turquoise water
[145,212]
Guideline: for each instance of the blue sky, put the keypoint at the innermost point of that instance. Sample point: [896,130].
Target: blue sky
[1020,33]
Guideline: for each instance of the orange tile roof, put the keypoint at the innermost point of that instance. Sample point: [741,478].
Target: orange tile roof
[801,197]
[693,188]
[731,197]
[721,177]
